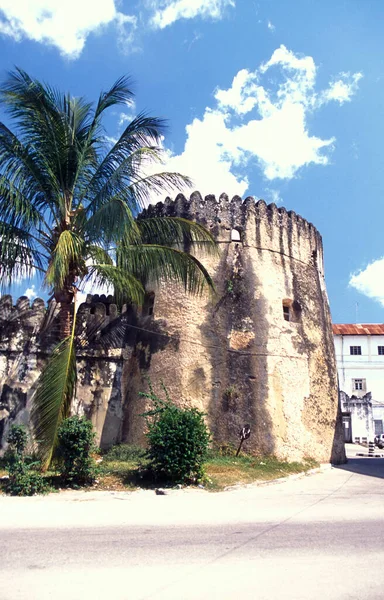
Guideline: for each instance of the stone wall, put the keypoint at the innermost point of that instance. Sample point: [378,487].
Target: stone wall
[232,354]
[110,350]
[236,357]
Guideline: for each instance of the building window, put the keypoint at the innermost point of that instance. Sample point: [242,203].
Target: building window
[291,310]
[378,427]
[380,350]
[355,350]
[359,385]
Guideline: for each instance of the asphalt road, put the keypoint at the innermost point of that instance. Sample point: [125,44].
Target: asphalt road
[318,537]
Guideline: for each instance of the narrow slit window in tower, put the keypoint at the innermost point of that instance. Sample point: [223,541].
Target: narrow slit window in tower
[291,310]
[149,302]
[286,312]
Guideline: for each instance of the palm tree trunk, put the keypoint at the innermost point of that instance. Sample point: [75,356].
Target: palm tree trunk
[65,320]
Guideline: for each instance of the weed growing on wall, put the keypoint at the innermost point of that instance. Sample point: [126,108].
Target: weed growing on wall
[178,439]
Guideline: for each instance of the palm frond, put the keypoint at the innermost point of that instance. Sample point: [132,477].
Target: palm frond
[117,182]
[21,166]
[119,93]
[112,222]
[163,264]
[19,255]
[39,119]
[52,399]
[167,231]
[143,188]
[127,287]
[16,208]
[67,254]
[98,255]
[139,141]
[56,126]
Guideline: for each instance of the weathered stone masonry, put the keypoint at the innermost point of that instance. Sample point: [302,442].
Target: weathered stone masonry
[259,352]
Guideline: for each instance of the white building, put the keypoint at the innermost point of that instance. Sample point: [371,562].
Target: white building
[360,362]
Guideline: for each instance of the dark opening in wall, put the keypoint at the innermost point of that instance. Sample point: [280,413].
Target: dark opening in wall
[148,305]
[314,257]
[291,310]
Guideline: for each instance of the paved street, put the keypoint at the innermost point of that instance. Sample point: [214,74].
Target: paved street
[320,536]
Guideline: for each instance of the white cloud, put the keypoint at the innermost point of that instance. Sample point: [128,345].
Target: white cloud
[272,195]
[343,88]
[271,26]
[261,119]
[370,281]
[242,96]
[166,12]
[126,117]
[65,24]
[204,159]
[30,293]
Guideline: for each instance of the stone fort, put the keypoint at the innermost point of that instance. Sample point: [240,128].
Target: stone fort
[259,351]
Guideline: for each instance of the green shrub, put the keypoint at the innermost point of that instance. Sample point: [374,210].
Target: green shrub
[17,439]
[178,440]
[76,443]
[23,481]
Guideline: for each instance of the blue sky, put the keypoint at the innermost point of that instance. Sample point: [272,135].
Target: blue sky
[278,100]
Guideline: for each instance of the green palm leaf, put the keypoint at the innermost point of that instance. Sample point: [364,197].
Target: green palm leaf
[67,254]
[53,396]
[161,264]
[114,220]
[127,287]
[176,230]
[19,257]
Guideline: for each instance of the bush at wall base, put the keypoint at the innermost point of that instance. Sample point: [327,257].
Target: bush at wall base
[23,480]
[76,444]
[178,440]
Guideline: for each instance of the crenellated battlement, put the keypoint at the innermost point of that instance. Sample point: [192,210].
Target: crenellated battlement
[21,319]
[37,322]
[231,212]
[23,308]
[261,226]
[99,306]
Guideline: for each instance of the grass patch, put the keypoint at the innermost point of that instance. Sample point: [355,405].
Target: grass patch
[125,467]
[124,452]
[224,471]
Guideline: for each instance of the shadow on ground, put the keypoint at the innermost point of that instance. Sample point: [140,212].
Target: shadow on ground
[372,467]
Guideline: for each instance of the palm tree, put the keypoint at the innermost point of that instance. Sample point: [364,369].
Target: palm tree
[68,214]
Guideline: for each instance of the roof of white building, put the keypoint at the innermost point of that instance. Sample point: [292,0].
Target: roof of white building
[358,329]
